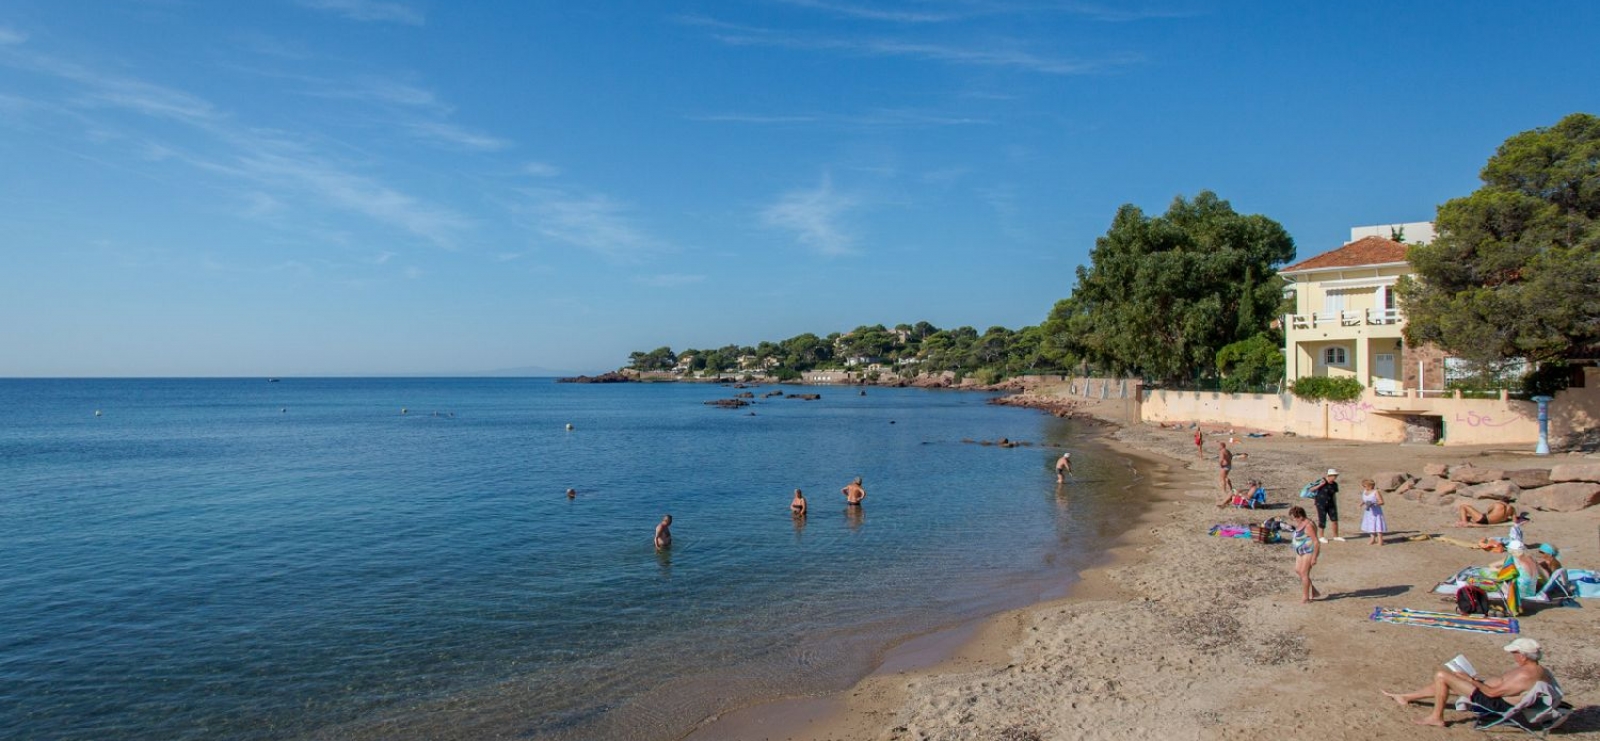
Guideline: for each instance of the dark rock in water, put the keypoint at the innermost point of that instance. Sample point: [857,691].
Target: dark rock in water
[745,395]
[611,377]
[728,403]
[804,397]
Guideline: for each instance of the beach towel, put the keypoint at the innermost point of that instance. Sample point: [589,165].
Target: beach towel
[1586,581]
[1230,531]
[1446,620]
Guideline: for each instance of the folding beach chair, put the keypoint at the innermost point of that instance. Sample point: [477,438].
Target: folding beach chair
[1557,590]
[1538,712]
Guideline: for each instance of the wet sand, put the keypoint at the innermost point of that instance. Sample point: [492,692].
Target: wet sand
[1181,635]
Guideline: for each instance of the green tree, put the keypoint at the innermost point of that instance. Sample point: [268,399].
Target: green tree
[1513,271]
[1163,294]
[659,359]
[1250,364]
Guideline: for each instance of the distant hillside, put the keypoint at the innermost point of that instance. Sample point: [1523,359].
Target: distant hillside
[534,371]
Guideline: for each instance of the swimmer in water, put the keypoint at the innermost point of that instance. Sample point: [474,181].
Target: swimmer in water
[664,533]
[854,493]
[798,505]
[1063,467]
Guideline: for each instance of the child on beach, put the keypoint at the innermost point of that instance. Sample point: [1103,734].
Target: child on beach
[1372,512]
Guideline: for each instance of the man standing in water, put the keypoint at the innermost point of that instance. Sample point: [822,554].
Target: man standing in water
[664,533]
[854,493]
[1063,467]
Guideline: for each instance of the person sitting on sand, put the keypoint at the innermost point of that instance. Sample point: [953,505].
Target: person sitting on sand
[797,506]
[1252,495]
[1498,512]
[1306,549]
[664,533]
[1063,467]
[854,493]
[1547,556]
[1493,695]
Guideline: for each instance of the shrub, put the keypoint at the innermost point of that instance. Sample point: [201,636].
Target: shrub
[1323,388]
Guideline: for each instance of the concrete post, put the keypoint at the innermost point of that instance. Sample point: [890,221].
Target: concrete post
[1544,425]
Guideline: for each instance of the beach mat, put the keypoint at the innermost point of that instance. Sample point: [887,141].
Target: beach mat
[1446,620]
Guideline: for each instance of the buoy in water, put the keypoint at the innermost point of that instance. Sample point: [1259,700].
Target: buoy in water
[569,425]
[403,410]
[97,412]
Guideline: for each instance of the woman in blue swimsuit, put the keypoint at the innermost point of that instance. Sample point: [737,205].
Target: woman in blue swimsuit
[1306,549]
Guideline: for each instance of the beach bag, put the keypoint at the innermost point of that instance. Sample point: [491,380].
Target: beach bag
[1305,491]
[1472,600]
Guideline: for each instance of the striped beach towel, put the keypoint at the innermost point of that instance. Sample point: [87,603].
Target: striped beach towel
[1446,620]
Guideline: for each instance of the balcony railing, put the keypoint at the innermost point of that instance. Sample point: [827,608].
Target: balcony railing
[1348,318]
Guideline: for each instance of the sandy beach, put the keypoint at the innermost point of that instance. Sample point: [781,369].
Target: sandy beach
[1185,636]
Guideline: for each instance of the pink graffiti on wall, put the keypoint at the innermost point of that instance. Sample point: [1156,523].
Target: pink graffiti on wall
[1475,419]
[1352,413]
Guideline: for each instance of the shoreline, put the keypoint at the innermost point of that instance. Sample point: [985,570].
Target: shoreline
[857,712]
[1181,635]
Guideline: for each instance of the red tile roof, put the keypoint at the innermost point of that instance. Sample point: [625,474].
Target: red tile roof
[1364,251]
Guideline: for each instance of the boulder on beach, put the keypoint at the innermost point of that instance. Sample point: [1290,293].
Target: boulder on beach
[1470,474]
[1428,481]
[1437,499]
[1567,496]
[1575,472]
[1390,480]
[1436,470]
[1449,487]
[1529,478]
[1504,491]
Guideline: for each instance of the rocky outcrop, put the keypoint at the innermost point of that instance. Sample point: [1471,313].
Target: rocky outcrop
[1437,470]
[1569,496]
[804,397]
[728,403]
[1428,482]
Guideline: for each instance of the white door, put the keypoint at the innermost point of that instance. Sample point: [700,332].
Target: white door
[1383,375]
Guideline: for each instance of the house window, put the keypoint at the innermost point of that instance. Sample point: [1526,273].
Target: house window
[1334,356]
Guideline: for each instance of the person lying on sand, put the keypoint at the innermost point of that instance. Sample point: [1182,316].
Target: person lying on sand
[1490,694]
[1498,512]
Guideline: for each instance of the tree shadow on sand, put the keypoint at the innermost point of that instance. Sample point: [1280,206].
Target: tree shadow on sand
[1393,591]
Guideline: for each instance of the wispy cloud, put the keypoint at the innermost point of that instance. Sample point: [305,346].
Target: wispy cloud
[591,221]
[381,90]
[10,36]
[880,118]
[868,12]
[541,169]
[456,136]
[279,167]
[1009,55]
[369,10]
[331,184]
[814,215]
[668,280]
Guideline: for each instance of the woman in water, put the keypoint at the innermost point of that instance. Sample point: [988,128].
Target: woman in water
[1306,550]
[798,506]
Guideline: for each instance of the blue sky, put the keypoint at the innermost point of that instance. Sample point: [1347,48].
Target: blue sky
[304,187]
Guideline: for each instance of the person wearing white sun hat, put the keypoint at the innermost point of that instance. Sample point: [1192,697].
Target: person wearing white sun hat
[1493,695]
[1325,496]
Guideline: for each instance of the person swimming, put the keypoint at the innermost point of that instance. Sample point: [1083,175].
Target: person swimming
[798,505]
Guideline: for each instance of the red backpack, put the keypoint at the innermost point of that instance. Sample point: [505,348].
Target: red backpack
[1472,600]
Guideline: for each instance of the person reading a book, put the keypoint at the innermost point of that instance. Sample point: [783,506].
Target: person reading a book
[1497,694]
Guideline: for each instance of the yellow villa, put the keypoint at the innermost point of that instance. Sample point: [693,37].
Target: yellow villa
[1347,322]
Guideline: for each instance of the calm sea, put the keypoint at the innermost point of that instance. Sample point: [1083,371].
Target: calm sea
[239,559]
